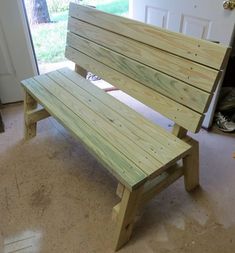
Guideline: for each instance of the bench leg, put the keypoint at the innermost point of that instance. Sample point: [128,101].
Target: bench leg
[30,128]
[126,216]
[81,71]
[191,167]
[120,190]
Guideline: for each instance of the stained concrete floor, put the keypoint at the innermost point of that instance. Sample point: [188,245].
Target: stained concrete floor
[55,197]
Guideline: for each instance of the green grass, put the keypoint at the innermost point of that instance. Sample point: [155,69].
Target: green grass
[50,39]
[118,7]
[59,16]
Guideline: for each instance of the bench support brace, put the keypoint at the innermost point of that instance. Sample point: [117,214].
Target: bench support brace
[191,166]
[30,127]
[126,216]
[154,186]
[32,115]
[36,115]
[190,162]
[120,190]
[80,70]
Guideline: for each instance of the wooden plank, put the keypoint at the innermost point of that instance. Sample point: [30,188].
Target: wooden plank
[120,190]
[153,130]
[126,216]
[115,212]
[30,128]
[118,165]
[179,131]
[168,86]
[36,115]
[185,70]
[155,186]
[81,71]
[180,114]
[146,162]
[116,209]
[202,51]
[165,149]
[191,166]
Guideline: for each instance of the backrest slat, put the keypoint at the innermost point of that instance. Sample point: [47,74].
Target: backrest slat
[182,115]
[168,86]
[201,51]
[174,74]
[185,70]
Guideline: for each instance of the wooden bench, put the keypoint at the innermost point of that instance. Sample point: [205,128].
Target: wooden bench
[171,73]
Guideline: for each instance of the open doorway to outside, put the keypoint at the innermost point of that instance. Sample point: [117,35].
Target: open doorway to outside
[48,26]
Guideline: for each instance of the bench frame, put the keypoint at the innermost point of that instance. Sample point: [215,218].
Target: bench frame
[171,73]
[124,213]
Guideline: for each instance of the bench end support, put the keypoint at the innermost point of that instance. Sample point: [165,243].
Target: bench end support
[30,128]
[191,167]
[126,216]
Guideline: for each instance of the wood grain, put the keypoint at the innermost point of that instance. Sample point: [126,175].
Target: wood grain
[30,128]
[36,115]
[185,70]
[168,86]
[201,51]
[118,164]
[102,128]
[180,114]
[153,130]
[191,166]
[95,99]
[126,216]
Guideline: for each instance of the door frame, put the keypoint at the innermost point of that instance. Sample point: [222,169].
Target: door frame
[19,61]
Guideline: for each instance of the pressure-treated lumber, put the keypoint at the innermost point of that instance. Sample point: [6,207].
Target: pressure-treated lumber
[188,71]
[191,166]
[102,127]
[179,131]
[180,114]
[126,216]
[36,115]
[30,127]
[120,127]
[120,190]
[81,71]
[174,74]
[202,51]
[114,161]
[168,86]
[154,187]
[125,120]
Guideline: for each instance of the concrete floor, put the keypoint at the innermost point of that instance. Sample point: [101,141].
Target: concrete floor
[55,197]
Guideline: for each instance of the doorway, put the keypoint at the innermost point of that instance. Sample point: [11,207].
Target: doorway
[48,25]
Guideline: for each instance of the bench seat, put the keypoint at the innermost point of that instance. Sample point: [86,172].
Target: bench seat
[131,147]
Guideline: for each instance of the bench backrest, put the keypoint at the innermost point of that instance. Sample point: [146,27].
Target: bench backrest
[174,74]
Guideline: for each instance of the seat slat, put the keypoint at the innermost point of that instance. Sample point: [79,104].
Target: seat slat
[170,87]
[137,155]
[190,72]
[118,164]
[180,114]
[165,150]
[201,51]
[154,131]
